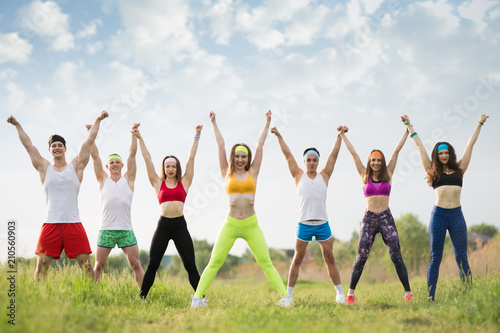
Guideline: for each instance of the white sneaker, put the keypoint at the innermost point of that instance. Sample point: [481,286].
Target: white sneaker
[197,302]
[340,299]
[286,301]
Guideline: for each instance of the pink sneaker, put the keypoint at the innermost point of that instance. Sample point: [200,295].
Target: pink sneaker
[351,299]
[409,298]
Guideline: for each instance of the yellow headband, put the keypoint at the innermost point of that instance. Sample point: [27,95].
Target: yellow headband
[241,148]
[113,156]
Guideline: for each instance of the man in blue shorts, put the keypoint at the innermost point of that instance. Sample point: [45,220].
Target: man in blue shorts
[313,220]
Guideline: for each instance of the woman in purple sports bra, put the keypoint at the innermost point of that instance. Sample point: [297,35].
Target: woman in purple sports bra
[376,177]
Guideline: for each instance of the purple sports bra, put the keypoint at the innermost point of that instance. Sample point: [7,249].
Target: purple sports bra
[376,188]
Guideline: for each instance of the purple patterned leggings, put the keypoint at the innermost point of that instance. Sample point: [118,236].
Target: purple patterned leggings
[372,224]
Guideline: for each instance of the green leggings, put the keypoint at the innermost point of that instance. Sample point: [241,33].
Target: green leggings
[249,230]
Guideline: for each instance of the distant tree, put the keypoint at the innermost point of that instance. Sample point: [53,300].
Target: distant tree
[314,250]
[203,251]
[485,229]
[276,255]
[414,239]
[248,256]
[63,261]
[26,261]
[344,252]
[116,262]
[144,258]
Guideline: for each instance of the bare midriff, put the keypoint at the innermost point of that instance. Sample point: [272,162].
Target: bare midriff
[241,205]
[377,203]
[448,196]
[172,209]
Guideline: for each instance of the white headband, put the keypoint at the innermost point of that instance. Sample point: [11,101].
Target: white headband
[170,159]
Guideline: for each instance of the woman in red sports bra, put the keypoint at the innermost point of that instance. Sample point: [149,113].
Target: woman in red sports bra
[376,179]
[171,188]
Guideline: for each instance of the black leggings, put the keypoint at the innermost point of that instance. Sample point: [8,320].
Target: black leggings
[170,229]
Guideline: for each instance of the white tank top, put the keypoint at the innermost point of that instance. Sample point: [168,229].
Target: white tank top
[61,194]
[312,199]
[116,204]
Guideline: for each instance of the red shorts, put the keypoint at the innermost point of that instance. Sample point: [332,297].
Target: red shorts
[55,237]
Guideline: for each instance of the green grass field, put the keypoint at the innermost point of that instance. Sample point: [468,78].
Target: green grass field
[66,303]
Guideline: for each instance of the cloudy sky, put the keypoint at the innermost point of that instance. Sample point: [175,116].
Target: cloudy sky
[315,64]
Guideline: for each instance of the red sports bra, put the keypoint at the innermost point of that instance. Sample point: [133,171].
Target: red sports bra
[172,194]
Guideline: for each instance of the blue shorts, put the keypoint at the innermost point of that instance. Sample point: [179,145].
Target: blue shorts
[321,232]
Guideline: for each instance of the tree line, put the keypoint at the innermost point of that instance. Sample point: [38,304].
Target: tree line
[413,234]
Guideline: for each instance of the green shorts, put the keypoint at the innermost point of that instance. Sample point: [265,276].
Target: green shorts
[111,238]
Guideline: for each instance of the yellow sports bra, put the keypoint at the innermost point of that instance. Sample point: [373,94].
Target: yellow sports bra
[233,185]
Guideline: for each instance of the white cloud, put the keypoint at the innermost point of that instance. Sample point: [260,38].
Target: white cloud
[406,54]
[353,11]
[155,32]
[45,19]
[221,17]
[63,42]
[7,74]
[64,77]
[475,10]
[300,21]
[306,24]
[93,48]
[494,14]
[266,39]
[89,30]
[79,83]
[349,26]
[13,48]
[16,97]
[208,77]
[442,10]
[280,22]
[371,6]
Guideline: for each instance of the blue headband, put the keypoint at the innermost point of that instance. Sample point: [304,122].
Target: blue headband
[310,152]
[442,146]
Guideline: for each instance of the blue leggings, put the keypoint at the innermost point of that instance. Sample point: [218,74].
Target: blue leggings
[452,220]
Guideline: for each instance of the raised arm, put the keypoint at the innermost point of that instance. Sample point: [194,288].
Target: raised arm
[100,174]
[294,168]
[424,158]
[221,146]
[259,149]
[394,157]
[465,160]
[131,160]
[39,163]
[357,161]
[188,175]
[153,177]
[81,160]
[332,158]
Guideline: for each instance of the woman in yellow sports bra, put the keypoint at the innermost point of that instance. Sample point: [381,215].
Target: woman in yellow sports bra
[240,176]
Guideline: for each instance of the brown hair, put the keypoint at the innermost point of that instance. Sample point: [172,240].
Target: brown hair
[437,168]
[178,175]
[231,158]
[384,174]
